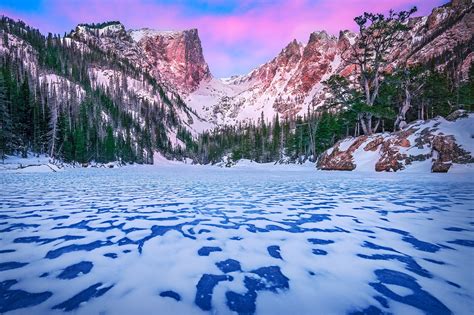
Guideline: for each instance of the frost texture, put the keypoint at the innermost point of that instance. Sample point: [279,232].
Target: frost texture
[194,240]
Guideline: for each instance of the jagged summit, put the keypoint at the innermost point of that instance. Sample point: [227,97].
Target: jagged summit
[111,28]
[291,82]
[142,33]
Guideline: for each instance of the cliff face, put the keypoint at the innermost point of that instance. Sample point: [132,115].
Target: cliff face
[434,145]
[175,57]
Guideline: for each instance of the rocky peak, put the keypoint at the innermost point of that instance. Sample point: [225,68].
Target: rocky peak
[294,48]
[319,36]
[289,56]
[318,55]
[345,40]
[175,56]
[461,3]
[111,37]
[106,29]
[446,28]
[319,44]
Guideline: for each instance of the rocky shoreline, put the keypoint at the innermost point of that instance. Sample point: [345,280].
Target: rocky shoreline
[443,141]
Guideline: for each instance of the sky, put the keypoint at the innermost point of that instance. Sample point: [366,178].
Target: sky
[236,36]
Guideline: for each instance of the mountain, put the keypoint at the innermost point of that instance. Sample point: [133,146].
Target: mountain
[175,57]
[93,93]
[103,90]
[286,85]
[290,83]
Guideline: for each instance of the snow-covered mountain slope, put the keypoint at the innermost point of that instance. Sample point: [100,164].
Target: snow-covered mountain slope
[435,145]
[286,85]
[292,82]
[172,58]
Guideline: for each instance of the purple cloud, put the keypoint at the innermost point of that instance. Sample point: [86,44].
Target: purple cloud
[234,41]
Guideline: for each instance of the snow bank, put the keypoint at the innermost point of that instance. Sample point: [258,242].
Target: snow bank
[31,164]
[436,145]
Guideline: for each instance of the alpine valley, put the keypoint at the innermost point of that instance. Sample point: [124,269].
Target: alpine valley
[246,209]
[104,93]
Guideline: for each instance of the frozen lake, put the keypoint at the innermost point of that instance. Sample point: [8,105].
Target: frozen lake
[200,240]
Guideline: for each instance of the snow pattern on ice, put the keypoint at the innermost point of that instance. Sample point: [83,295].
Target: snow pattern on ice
[144,240]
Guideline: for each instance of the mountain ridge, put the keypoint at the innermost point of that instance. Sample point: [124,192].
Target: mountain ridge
[290,84]
[156,85]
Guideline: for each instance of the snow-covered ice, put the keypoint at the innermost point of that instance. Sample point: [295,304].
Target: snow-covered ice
[178,239]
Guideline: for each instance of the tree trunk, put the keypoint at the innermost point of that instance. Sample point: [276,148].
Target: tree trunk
[401,119]
[376,125]
[53,137]
[369,129]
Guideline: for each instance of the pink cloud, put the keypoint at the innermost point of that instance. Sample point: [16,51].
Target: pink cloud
[232,42]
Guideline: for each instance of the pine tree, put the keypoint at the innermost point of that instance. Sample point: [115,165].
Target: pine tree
[80,148]
[24,122]
[378,34]
[5,119]
[109,144]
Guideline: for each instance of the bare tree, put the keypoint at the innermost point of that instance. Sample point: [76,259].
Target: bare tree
[411,82]
[371,54]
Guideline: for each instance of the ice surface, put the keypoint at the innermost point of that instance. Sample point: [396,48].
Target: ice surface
[178,239]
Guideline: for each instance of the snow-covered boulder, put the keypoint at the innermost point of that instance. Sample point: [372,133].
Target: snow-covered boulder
[436,145]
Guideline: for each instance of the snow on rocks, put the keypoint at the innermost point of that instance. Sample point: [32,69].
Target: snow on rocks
[34,163]
[444,142]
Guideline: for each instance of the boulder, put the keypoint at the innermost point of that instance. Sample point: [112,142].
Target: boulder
[440,167]
[460,113]
[374,144]
[390,159]
[338,160]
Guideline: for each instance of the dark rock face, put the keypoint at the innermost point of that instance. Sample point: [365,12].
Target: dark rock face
[439,167]
[391,159]
[460,113]
[448,152]
[374,144]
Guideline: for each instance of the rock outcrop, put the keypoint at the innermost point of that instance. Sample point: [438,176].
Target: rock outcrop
[437,144]
[175,57]
[339,159]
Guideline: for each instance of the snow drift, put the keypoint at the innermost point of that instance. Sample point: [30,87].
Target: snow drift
[436,145]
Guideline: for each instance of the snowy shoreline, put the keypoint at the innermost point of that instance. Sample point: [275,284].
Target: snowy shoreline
[44,164]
